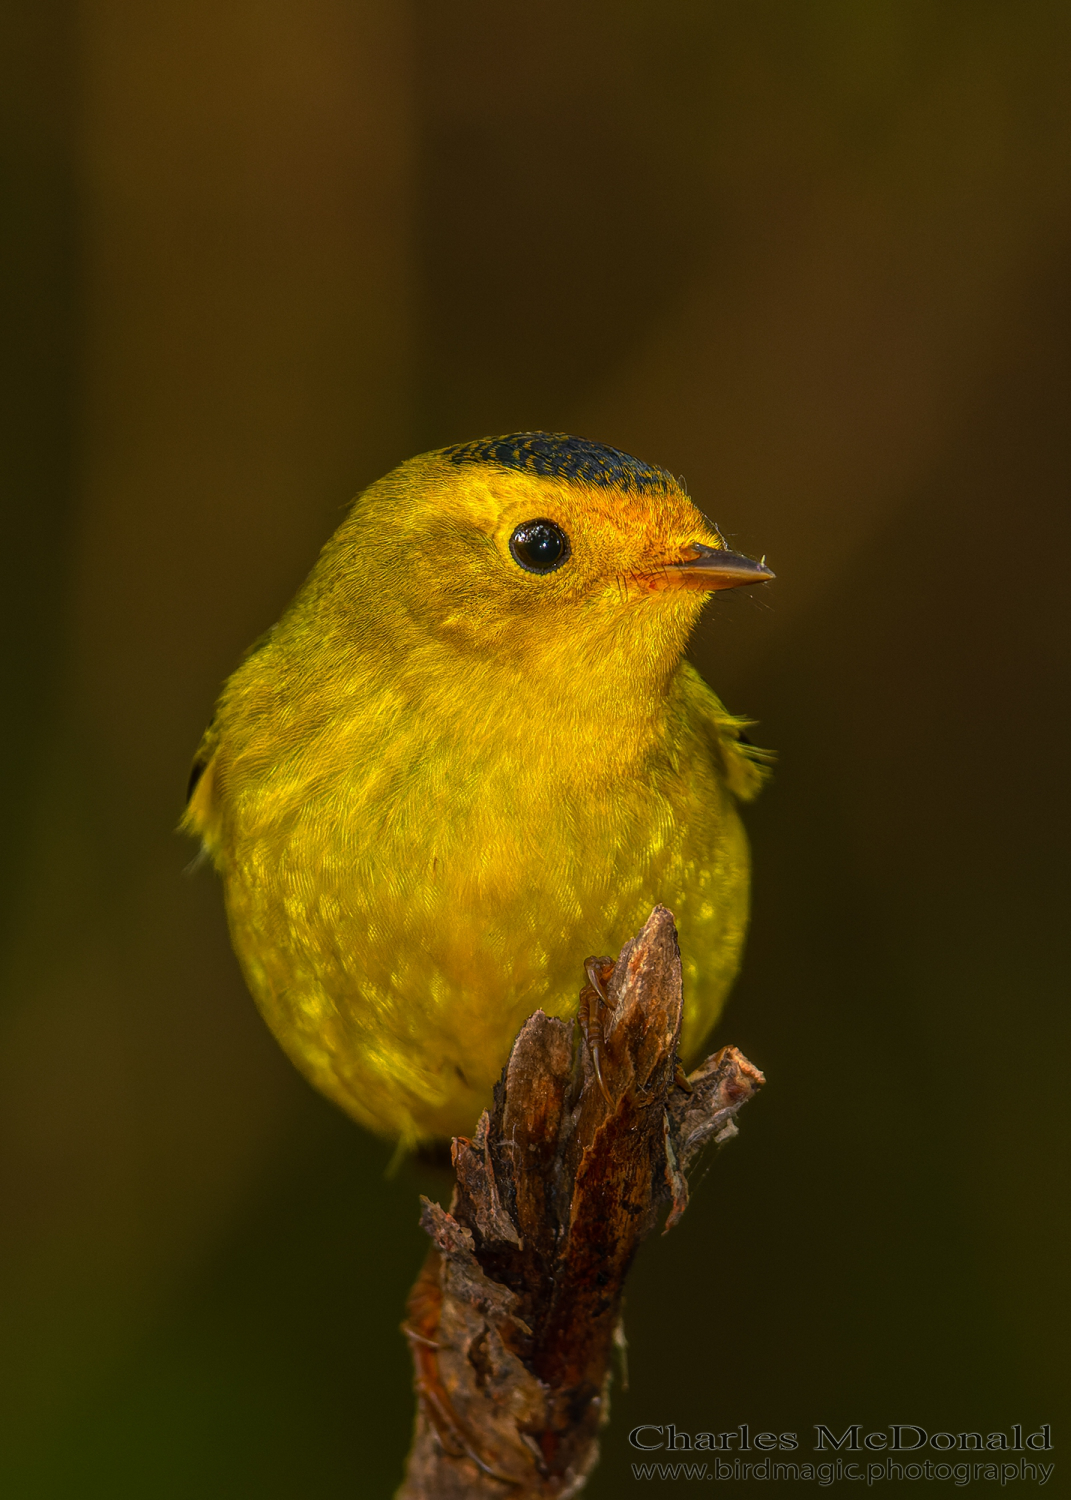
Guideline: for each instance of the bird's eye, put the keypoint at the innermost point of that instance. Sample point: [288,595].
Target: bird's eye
[539,546]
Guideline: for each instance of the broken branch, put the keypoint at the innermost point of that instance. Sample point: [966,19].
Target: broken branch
[513,1319]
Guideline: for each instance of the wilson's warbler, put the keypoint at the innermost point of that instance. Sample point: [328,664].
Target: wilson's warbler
[469,755]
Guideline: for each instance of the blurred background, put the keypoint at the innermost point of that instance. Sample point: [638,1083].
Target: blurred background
[815,257]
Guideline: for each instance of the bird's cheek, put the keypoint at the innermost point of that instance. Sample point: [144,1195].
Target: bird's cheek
[467,631]
[657,586]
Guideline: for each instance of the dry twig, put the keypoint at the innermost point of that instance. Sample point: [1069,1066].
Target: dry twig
[513,1319]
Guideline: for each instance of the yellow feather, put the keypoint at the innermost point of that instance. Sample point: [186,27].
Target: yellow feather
[442,780]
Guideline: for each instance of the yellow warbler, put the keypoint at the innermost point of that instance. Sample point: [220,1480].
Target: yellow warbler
[467,756]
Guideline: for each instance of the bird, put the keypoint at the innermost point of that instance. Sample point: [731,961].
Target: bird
[471,752]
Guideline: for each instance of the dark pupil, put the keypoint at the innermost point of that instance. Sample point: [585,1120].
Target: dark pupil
[541,546]
[538,546]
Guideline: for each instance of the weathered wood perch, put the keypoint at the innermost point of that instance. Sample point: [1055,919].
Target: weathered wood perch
[512,1321]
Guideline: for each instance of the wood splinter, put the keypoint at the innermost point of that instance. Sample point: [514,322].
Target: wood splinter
[514,1318]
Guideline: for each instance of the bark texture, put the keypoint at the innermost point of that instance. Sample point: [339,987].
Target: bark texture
[514,1318]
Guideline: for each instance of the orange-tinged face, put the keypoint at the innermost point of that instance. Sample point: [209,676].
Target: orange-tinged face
[631,543]
[479,547]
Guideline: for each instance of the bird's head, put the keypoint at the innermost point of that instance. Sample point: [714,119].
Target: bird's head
[534,545]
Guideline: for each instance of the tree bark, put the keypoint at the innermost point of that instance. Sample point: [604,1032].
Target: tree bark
[513,1320]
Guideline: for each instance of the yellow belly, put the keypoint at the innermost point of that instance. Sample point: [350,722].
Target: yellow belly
[395,946]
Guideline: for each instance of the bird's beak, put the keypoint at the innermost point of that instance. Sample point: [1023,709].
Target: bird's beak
[702,567]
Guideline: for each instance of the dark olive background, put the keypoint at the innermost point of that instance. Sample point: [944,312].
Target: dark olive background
[814,256]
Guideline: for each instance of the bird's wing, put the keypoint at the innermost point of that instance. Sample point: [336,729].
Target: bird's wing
[199,817]
[744,765]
